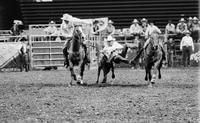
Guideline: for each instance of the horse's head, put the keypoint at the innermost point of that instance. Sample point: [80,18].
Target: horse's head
[154,40]
[78,33]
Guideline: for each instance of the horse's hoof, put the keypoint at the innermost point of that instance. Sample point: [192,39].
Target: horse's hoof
[159,77]
[113,76]
[97,82]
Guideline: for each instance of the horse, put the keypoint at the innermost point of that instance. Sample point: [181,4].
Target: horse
[76,55]
[153,57]
[106,65]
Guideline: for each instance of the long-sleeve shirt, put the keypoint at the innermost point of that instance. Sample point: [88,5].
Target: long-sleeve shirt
[170,28]
[187,41]
[181,27]
[135,29]
[109,49]
[152,29]
[67,29]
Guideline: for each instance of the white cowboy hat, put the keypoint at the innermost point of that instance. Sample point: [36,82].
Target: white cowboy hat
[190,18]
[195,18]
[135,21]
[187,32]
[110,21]
[110,38]
[66,17]
[18,22]
[182,20]
[144,20]
[51,22]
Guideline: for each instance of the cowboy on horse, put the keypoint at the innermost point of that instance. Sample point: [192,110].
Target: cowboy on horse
[67,27]
[151,30]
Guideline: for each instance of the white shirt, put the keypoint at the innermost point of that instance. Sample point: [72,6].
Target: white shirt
[115,47]
[67,29]
[50,30]
[152,29]
[170,28]
[137,29]
[187,41]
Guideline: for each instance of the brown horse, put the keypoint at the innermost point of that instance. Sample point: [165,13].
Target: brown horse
[106,65]
[153,57]
[76,56]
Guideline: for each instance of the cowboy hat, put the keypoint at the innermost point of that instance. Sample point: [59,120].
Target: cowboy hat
[66,17]
[187,32]
[195,18]
[190,18]
[110,21]
[182,20]
[144,20]
[135,21]
[51,22]
[18,22]
[110,38]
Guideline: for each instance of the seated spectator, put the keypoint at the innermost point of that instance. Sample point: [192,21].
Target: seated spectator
[110,29]
[190,23]
[186,46]
[181,28]
[135,28]
[51,30]
[170,29]
[195,29]
[17,27]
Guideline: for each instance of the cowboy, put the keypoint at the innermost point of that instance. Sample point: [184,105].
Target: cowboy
[135,28]
[112,50]
[51,29]
[144,26]
[195,29]
[186,46]
[181,28]
[110,29]
[67,28]
[170,29]
[149,35]
[190,23]
[17,27]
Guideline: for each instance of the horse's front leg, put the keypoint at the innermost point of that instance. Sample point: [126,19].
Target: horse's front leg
[98,73]
[154,68]
[113,70]
[73,76]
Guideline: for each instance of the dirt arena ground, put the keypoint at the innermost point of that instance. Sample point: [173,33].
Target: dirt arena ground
[44,97]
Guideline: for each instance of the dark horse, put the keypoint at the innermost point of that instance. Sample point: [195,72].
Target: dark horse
[153,57]
[76,55]
[106,65]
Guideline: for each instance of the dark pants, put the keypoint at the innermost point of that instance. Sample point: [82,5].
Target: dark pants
[186,52]
[195,35]
[170,58]
[118,58]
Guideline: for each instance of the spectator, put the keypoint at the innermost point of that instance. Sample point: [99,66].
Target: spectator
[95,28]
[17,27]
[195,29]
[181,28]
[186,47]
[190,23]
[135,28]
[170,29]
[51,30]
[110,29]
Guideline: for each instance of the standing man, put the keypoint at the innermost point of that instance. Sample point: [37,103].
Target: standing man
[186,47]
